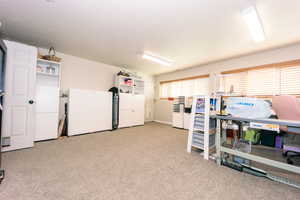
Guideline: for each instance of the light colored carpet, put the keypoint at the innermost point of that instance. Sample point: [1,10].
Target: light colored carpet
[147,162]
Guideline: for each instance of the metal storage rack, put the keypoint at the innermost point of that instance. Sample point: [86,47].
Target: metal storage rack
[293,126]
[202,127]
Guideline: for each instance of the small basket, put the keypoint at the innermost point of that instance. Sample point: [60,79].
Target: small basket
[51,55]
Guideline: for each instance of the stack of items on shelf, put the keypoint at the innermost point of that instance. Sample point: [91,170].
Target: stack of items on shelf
[129,84]
[198,140]
[202,128]
[199,122]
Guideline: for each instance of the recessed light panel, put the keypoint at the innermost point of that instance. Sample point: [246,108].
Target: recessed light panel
[157,59]
[254,24]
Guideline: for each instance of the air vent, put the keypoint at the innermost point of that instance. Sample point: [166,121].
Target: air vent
[5,141]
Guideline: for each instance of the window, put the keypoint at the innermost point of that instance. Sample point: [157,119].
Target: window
[236,82]
[185,87]
[273,79]
[263,82]
[290,80]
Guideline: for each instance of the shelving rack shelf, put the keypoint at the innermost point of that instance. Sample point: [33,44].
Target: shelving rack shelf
[47,74]
[293,126]
[130,85]
[202,128]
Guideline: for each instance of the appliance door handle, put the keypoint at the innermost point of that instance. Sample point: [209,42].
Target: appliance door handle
[1,95]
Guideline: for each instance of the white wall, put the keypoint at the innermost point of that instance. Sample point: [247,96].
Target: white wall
[86,74]
[163,108]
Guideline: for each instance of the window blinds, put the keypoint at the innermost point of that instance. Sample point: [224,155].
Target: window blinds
[265,81]
[235,83]
[187,88]
[290,80]
[201,86]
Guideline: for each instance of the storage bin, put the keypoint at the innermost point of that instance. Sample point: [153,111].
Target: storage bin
[267,138]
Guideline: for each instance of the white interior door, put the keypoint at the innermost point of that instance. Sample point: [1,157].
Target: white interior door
[47,105]
[47,99]
[19,114]
[46,126]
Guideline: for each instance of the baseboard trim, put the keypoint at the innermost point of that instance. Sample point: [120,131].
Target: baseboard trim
[147,121]
[163,122]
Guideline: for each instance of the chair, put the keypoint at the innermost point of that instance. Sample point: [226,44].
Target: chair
[287,107]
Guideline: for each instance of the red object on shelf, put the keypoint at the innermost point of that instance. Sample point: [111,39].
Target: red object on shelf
[128,82]
[170,98]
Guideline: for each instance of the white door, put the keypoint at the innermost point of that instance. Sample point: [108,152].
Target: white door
[46,126]
[19,116]
[47,102]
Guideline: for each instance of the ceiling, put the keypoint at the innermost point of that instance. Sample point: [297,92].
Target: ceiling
[116,32]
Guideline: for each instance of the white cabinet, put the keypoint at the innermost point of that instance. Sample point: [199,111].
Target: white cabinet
[186,120]
[177,118]
[131,110]
[125,118]
[47,100]
[177,115]
[138,110]
[181,120]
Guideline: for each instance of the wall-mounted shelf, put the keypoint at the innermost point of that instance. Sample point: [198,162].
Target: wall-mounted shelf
[46,67]
[47,74]
[48,61]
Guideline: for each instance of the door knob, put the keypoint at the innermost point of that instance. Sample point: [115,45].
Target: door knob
[31,102]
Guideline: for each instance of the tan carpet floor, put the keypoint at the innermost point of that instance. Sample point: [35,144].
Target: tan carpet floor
[146,162]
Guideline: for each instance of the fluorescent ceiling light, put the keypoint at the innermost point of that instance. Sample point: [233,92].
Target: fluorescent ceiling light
[157,59]
[251,18]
